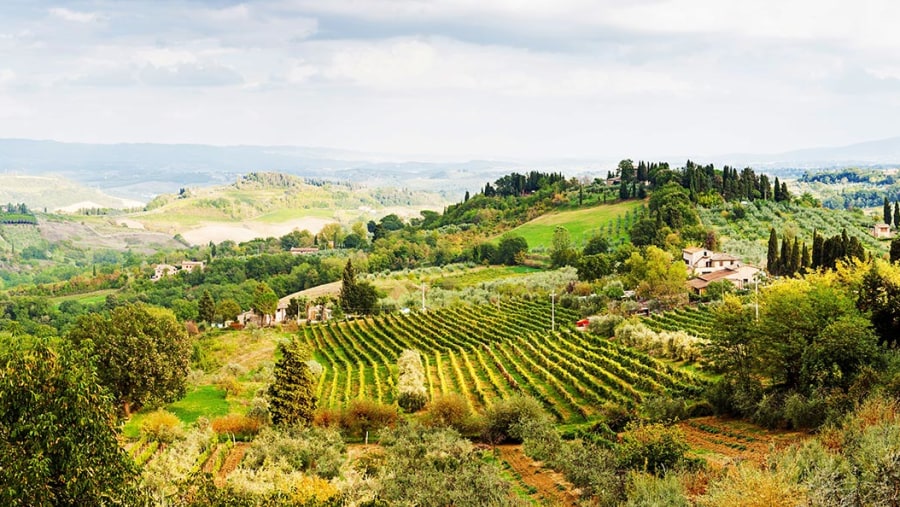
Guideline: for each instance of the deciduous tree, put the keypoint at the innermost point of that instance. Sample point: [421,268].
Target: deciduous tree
[57,437]
[141,352]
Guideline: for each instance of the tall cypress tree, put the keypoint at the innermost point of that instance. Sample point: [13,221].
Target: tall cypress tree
[818,250]
[796,257]
[886,212]
[805,259]
[772,256]
[292,395]
[784,259]
[349,291]
[896,214]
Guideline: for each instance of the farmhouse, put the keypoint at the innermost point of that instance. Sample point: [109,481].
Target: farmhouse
[164,270]
[881,230]
[710,266]
[741,277]
[702,261]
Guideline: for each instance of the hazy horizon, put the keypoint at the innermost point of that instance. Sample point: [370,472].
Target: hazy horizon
[453,80]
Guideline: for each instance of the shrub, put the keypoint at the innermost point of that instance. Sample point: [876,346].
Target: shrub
[616,417]
[605,325]
[240,427]
[364,416]
[504,420]
[651,448]
[259,410]
[162,426]
[645,489]
[803,412]
[235,369]
[229,384]
[328,418]
[664,409]
[448,411]
[311,450]
[191,328]
[748,486]
[411,381]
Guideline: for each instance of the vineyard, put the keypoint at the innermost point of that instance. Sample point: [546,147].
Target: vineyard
[695,321]
[485,352]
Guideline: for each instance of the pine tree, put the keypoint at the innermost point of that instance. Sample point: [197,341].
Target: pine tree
[772,256]
[292,395]
[466,198]
[886,211]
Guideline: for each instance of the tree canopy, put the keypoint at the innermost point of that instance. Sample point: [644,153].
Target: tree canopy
[57,439]
[141,353]
[292,393]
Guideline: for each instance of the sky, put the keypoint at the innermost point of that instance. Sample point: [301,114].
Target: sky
[463,79]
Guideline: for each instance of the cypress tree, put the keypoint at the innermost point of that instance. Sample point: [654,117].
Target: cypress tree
[784,261]
[805,260]
[896,214]
[772,256]
[817,249]
[292,395]
[886,211]
[796,257]
[895,249]
[206,307]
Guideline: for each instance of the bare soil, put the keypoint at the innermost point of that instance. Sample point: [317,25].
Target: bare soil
[231,461]
[723,442]
[552,488]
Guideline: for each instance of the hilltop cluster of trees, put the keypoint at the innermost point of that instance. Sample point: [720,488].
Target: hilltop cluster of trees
[17,214]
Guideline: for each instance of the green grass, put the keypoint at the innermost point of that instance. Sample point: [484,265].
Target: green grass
[88,298]
[206,401]
[287,214]
[581,223]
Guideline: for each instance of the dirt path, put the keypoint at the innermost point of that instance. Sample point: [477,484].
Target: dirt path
[551,486]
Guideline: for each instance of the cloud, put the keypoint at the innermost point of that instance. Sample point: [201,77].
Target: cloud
[75,16]
[190,74]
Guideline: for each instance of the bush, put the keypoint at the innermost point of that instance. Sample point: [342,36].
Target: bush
[448,411]
[748,486]
[605,325]
[504,420]
[645,489]
[240,427]
[651,448]
[328,418]
[229,384]
[803,412]
[162,426]
[364,416]
[411,381]
[616,417]
[663,409]
[311,450]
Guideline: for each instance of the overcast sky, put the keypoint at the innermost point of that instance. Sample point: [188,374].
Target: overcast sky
[462,79]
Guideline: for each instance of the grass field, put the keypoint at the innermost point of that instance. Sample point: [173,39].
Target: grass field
[87,298]
[581,224]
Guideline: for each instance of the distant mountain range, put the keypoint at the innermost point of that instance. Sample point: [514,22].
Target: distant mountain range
[142,171]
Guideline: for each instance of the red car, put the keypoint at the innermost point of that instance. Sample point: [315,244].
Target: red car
[582,323]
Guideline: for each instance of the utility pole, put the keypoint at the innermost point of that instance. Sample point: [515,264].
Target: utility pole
[423,297]
[756,294]
[553,311]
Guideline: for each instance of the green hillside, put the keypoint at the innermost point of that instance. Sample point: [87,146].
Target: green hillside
[610,220]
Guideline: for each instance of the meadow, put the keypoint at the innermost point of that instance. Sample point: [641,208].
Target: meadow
[610,220]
